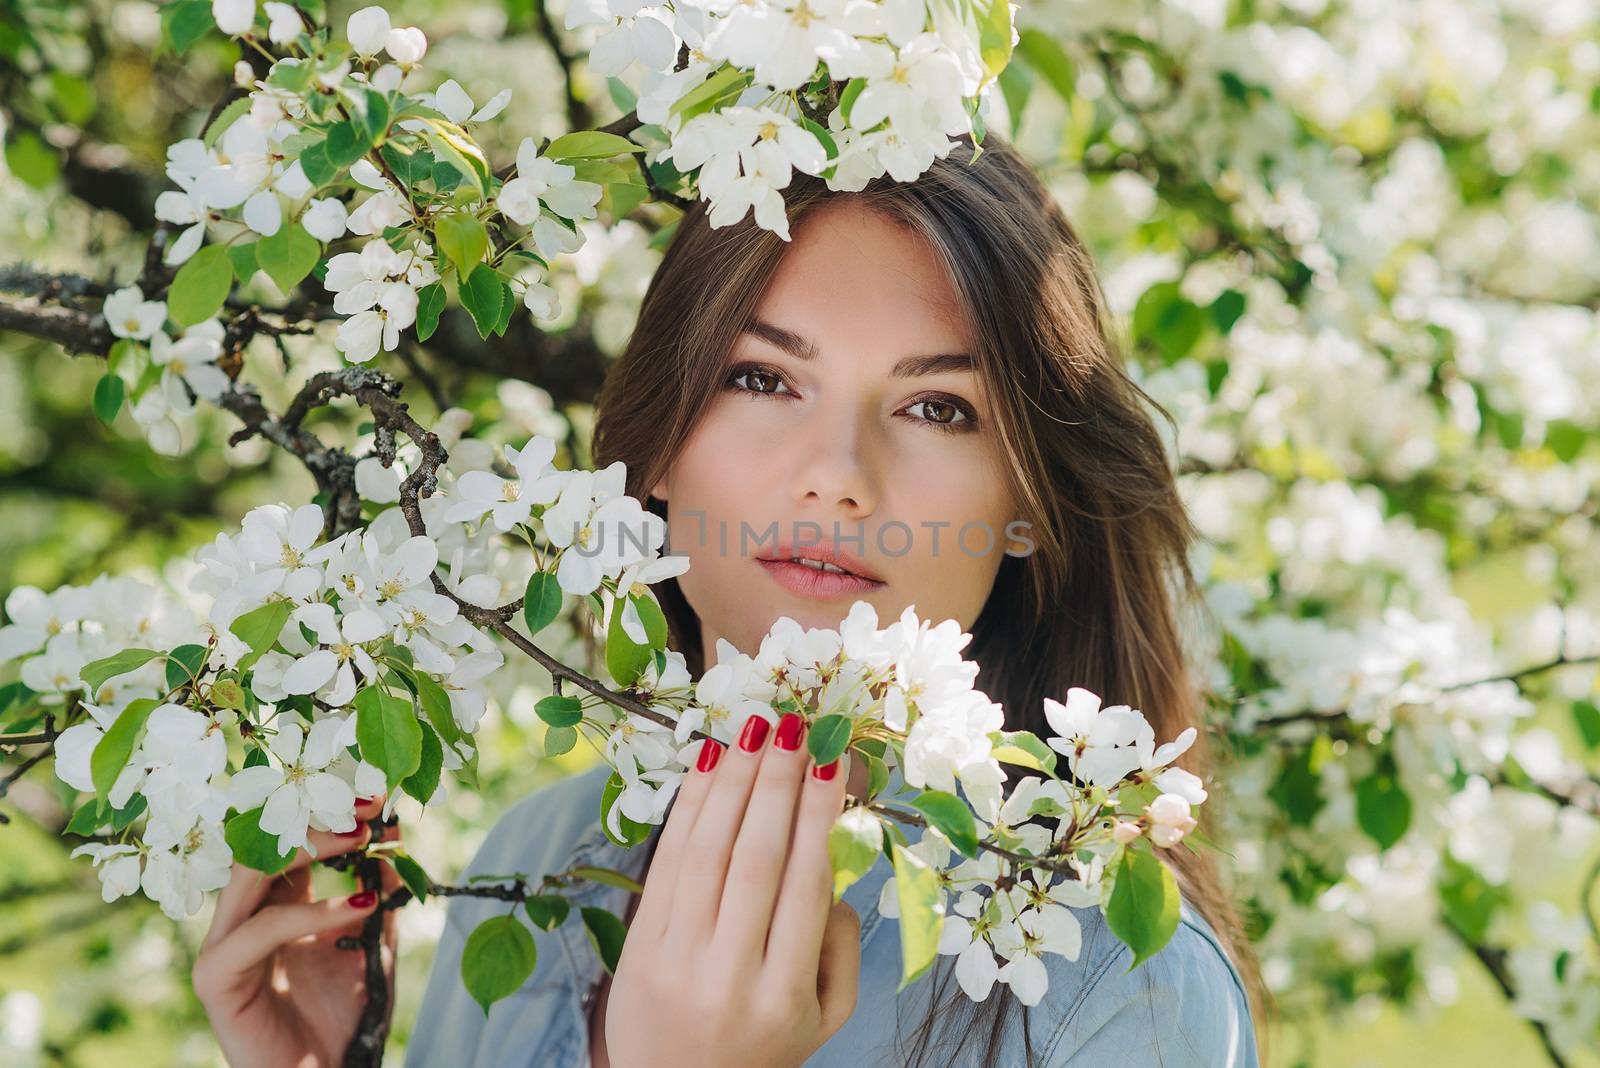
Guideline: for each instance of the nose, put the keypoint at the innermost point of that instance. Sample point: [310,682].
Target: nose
[833,469]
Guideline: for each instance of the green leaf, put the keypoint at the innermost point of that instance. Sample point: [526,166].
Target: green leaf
[259,629]
[1226,309]
[1143,910]
[847,97]
[560,710]
[463,239]
[606,935]
[625,659]
[1587,715]
[108,398]
[421,783]
[1298,788]
[828,738]
[436,706]
[508,306]
[729,81]
[243,258]
[559,740]
[1566,439]
[97,673]
[481,293]
[388,733]
[1045,55]
[184,665]
[411,874]
[319,169]
[621,95]
[226,118]
[14,696]
[430,303]
[1169,320]
[609,877]
[542,601]
[253,847]
[1016,85]
[854,841]
[589,144]
[122,817]
[112,751]
[185,22]
[1023,748]
[89,817]
[1383,809]
[921,916]
[373,118]
[345,144]
[461,154]
[201,286]
[293,74]
[227,693]
[951,816]
[994,34]
[1469,901]
[547,911]
[288,255]
[497,959]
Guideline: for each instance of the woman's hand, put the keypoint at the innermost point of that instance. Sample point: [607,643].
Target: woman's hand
[277,989]
[737,954]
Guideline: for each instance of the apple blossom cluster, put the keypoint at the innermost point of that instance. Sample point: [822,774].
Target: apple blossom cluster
[912,73]
[334,668]
[904,693]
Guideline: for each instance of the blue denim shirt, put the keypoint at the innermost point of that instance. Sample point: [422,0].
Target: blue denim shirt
[1185,1007]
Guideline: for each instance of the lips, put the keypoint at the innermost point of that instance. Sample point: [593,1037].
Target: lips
[823,554]
[806,581]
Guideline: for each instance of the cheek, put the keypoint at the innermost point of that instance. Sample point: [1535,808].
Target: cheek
[958,514]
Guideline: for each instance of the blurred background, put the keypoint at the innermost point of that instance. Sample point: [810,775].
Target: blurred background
[1352,247]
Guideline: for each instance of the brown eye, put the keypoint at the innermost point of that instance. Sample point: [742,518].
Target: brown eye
[759,379]
[943,414]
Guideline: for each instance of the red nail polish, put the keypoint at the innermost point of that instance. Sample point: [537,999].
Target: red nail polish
[710,753]
[825,771]
[791,726]
[754,733]
[365,899]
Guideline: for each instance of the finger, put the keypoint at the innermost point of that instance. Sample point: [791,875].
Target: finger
[755,870]
[233,958]
[805,898]
[698,893]
[839,967]
[655,903]
[247,888]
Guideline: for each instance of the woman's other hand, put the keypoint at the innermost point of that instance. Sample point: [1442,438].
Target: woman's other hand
[276,987]
[737,954]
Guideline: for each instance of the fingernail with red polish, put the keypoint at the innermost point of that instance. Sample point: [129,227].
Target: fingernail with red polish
[754,733]
[791,726]
[825,771]
[710,753]
[365,899]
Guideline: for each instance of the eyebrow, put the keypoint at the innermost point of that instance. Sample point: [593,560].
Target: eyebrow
[803,348]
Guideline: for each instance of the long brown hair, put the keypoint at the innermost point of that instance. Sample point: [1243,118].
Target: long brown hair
[1097,603]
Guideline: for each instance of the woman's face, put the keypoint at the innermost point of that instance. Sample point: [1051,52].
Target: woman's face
[848,408]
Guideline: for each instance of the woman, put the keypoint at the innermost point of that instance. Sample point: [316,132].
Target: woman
[928,358]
